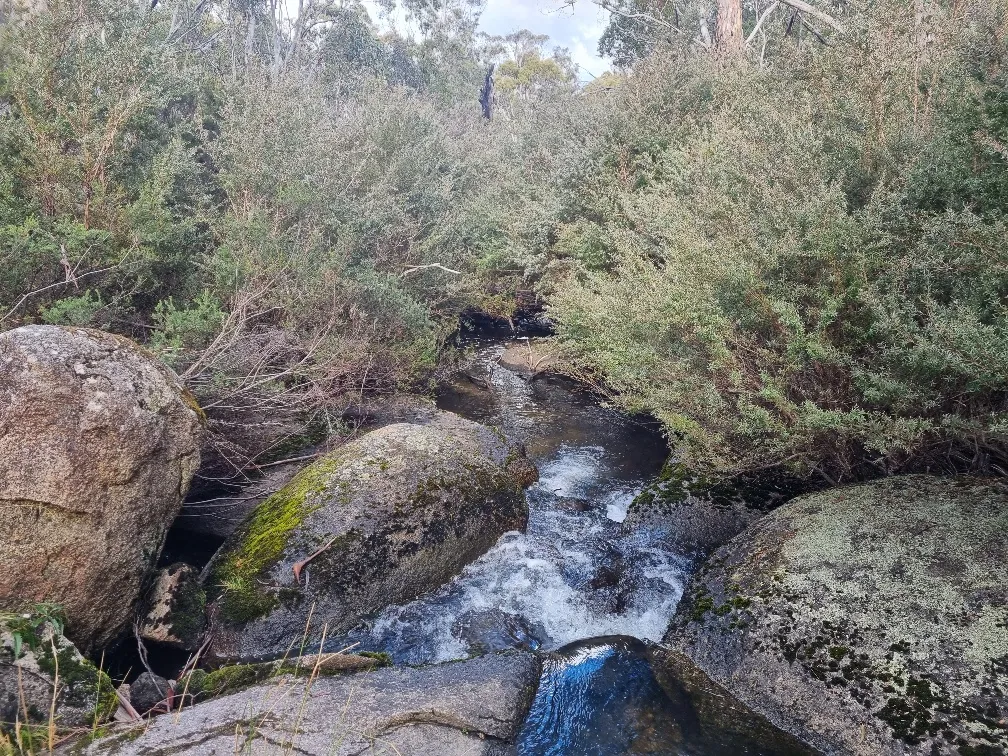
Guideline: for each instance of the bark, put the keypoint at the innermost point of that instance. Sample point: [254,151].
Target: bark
[486,97]
[728,34]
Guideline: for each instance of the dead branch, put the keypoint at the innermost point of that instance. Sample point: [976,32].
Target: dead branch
[811,10]
[56,285]
[417,268]
[762,18]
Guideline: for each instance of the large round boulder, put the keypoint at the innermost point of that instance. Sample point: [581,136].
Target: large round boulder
[98,443]
[866,620]
[379,521]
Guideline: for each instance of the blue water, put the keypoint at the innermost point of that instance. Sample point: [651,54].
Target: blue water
[602,697]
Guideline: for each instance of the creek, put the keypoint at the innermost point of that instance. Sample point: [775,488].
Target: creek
[573,573]
[575,585]
[591,596]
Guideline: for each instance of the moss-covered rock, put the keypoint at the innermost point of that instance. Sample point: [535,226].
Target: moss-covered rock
[34,658]
[201,684]
[468,708]
[866,620]
[699,514]
[378,521]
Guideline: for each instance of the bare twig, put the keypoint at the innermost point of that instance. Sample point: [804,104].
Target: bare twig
[55,691]
[298,566]
[142,653]
[56,285]
[439,266]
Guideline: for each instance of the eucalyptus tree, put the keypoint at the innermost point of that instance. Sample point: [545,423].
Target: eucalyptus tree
[727,27]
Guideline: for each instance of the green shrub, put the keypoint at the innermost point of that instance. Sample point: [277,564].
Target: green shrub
[808,259]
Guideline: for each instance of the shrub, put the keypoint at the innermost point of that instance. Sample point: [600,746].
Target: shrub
[807,257]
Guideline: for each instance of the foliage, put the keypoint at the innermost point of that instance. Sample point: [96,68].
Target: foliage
[792,257]
[790,265]
[291,212]
[26,628]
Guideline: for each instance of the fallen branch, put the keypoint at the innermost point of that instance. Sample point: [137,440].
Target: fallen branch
[125,705]
[298,566]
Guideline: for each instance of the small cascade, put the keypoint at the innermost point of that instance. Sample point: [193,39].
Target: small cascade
[574,573]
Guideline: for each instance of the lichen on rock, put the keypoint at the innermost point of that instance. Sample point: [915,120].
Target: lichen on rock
[98,444]
[868,619]
[35,657]
[175,608]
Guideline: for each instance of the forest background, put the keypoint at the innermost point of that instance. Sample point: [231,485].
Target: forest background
[776,226]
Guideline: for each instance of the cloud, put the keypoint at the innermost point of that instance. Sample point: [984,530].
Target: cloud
[576,26]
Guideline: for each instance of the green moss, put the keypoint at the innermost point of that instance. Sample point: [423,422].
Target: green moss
[191,402]
[740,602]
[82,681]
[188,613]
[703,602]
[28,739]
[262,540]
[383,659]
[227,679]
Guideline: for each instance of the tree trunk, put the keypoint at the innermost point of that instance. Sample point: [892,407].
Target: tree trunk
[486,95]
[728,35]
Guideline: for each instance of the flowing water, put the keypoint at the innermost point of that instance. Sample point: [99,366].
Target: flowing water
[573,574]
[576,585]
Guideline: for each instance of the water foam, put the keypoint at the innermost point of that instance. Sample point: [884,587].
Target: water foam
[546,576]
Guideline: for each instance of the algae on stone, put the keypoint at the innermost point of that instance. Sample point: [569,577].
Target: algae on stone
[32,643]
[261,540]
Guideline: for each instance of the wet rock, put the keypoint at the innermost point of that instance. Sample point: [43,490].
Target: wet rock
[98,443]
[699,516]
[147,692]
[488,630]
[710,719]
[866,620]
[176,613]
[574,506]
[34,654]
[378,521]
[530,357]
[471,708]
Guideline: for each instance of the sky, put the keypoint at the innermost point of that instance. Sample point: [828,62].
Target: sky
[576,27]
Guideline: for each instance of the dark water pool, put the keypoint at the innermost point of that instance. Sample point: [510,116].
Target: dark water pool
[609,696]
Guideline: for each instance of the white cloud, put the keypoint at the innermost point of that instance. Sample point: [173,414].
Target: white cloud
[576,27]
